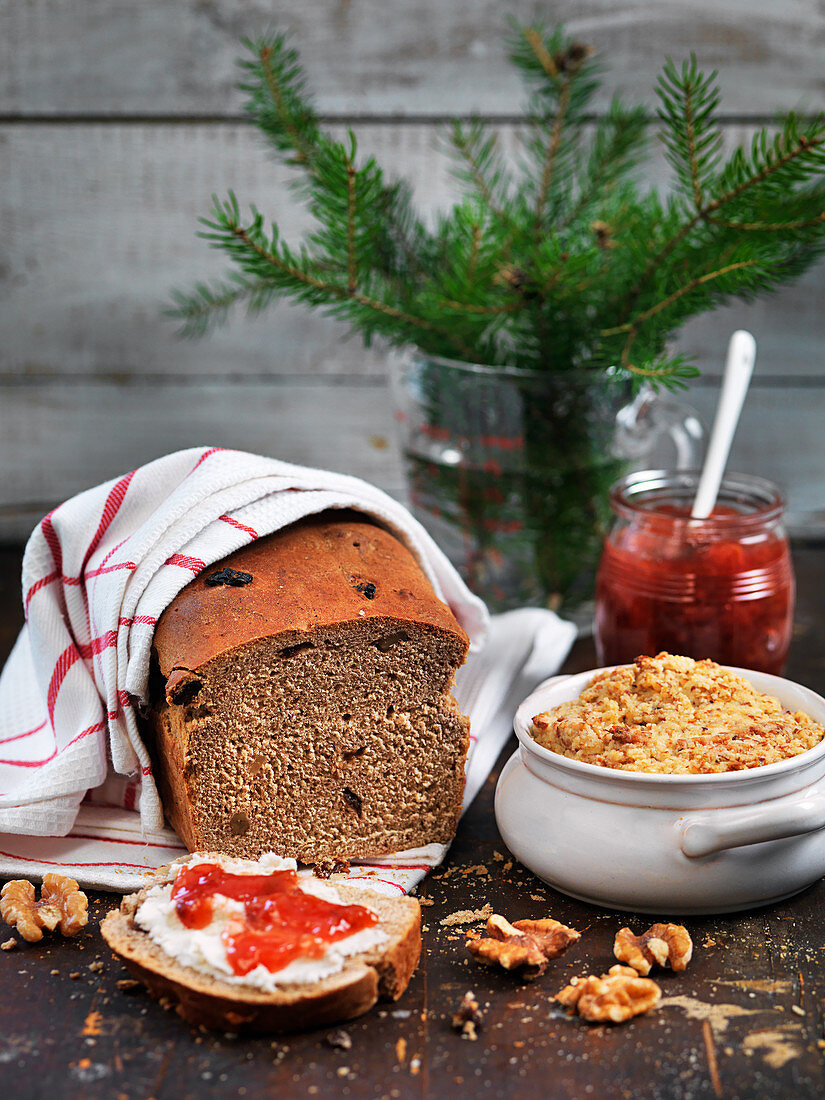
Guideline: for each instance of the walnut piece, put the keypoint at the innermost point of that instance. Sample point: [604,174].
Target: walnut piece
[338,1039]
[665,944]
[62,904]
[468,1018]
[613,998]
[526,944]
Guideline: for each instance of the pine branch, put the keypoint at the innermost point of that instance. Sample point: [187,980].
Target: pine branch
[534,40]
[484,311]
[352,265]
[693,158]
[773,162]
[700,280]
[544,54]
[565,81]
[691,137]
[472,262]
[277,99]
[770,227]
[519,267]
[278,103]
[552,152]
[671,371]
[483,169]
[207,307]
[250,249]
[619,145]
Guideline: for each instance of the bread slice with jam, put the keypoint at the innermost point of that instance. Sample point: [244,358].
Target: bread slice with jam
[205,999]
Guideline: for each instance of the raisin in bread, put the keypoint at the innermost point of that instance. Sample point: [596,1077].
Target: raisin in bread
[204,999]
[302,699]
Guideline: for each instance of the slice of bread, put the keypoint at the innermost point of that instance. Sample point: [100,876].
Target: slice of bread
[201,999]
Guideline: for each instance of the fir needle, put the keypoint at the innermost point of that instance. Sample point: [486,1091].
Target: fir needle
[735,382]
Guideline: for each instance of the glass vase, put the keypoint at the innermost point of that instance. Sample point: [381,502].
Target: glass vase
[510,470]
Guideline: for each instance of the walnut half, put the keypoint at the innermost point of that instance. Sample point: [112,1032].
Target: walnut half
[62,904]
[613,998]
[665,944]
[526,944]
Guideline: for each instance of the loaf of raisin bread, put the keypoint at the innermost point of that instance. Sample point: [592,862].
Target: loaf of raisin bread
[301,700]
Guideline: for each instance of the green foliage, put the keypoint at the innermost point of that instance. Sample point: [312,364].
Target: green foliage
[559,262]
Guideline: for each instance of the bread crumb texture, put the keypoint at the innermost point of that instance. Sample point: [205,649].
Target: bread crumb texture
[674,715]
[349,745]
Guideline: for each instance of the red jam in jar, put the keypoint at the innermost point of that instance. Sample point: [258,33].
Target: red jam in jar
[280,922]
[720,587]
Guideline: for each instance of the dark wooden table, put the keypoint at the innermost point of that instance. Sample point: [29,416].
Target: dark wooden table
[745,1019]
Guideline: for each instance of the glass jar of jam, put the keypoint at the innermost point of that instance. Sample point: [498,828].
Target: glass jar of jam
[720,587]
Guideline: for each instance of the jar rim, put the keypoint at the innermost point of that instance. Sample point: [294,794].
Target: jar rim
[632,496]
[580,374]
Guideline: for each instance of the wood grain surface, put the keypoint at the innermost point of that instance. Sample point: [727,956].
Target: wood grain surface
[100,221]
[340,427]
[119,120]
[387,57]
[347,426]
[744,1021]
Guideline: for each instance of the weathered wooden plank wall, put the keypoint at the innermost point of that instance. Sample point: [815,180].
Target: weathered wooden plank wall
[117,122]
[386,57]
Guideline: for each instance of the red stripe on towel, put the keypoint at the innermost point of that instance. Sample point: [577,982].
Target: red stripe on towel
[396,866]
[52,540]
[20,736]
[47,759]
[97,645]
[37,586]
[204,456]
[371,878]
[240,526]
[195,564]
[101,570]
[64,662]
[110,510]
[70,863]
[74,582]
[119,840]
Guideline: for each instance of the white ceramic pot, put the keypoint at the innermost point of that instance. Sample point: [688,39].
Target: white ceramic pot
[665,844]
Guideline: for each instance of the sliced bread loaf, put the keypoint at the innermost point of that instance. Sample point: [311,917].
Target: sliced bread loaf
[302,700]
[204,999]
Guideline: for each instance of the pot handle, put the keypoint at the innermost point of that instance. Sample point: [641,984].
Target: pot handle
[705,834]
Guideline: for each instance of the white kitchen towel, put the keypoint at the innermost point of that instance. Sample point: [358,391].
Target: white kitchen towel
[97,573]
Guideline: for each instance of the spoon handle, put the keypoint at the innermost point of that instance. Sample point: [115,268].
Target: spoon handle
[735,382]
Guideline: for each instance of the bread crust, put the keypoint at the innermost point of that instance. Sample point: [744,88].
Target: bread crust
[322,571]
[202,1000]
